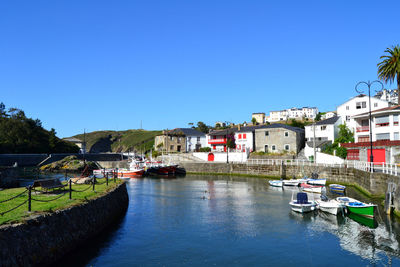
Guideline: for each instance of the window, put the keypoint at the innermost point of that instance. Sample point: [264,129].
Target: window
[266,148]
[323,128]
[353,154]
[171,147]
[198,138]
[179,139]
[375,106]
[286,134]
[240,136]
[287,147]
[266,133]
[360,105]
[382,121]
[273,147]
[383,136]
[189,138]
[347,107]
[214,147]
[395,120]
[347,118]
[363,138]
[170,137]
[396,136]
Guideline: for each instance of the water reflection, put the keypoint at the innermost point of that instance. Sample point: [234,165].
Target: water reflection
[235,221]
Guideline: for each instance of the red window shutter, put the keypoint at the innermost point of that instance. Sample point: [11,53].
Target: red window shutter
[240,136]
[244,136]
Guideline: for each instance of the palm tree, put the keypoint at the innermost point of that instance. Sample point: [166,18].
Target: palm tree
[389,68]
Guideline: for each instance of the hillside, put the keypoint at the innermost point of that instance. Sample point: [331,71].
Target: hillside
[20,135]
[119,141]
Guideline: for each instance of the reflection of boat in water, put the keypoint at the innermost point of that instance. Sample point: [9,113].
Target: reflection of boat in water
[376,243]
[369,222]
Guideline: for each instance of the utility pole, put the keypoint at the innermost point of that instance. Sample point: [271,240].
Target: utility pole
[315,153]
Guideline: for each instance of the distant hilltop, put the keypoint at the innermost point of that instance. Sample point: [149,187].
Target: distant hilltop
[118,141]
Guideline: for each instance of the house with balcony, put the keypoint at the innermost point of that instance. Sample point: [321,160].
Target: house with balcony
[293,113]
[244,138]
[358,105]
[180,140]
[279,138]
[385,136]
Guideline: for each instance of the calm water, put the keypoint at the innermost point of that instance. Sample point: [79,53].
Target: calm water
[223,221]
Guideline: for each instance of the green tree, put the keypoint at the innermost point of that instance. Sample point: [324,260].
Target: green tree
[318,117]
[202,127]
[254,121]
[389,67]
[345,135]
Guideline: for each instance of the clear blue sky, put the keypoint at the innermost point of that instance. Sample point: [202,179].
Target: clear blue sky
[107,65]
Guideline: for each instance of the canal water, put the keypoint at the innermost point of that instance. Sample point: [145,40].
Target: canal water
[233,221]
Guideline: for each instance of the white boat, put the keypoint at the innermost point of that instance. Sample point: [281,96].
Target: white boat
[344,200]
[292,182]
[316,181]
[311,188]
[302,204]
[331,206]
[276,183]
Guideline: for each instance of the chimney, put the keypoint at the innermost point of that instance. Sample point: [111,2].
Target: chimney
[239,127]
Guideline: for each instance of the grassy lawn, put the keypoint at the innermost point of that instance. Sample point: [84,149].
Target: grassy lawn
[38,207]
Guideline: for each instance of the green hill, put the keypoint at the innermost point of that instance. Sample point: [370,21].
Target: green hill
[119,141]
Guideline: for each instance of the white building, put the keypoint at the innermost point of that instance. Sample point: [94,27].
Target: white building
[385,136]
[293,113]
[388,95]
[328,115]
[357,105]
[326,131]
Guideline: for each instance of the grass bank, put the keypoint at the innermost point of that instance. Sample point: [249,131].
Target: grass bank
[48,202]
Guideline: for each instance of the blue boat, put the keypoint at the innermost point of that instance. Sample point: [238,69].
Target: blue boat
[337,188]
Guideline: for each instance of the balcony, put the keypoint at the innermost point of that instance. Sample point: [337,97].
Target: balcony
[384,124]
[217,141]
[362,129]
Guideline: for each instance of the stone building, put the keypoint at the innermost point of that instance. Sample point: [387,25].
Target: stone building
[279,138]
[180,140]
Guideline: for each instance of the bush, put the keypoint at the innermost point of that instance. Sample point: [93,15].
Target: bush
[205,149]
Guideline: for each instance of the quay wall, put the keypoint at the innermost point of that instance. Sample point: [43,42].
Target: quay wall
[374,183]
[45,239]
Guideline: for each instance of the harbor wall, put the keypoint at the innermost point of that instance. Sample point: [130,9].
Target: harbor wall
[45,239]
[374,183]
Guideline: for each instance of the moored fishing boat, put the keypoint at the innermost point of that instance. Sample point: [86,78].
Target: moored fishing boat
[337,188]
[358,207]
[331,206]
[292,182]
[311,188]
[361,208]
[316,181]
[276,183]
[302,204]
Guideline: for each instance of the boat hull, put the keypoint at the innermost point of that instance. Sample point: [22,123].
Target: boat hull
[302,208]
[275,183]
[366,211]
[320,182]
[131,174]
[332,206]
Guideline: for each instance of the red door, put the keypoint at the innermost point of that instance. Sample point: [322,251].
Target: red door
[379,156]
[210,157]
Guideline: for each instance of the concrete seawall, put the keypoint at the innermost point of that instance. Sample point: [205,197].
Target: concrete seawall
[375,183]
[47,238]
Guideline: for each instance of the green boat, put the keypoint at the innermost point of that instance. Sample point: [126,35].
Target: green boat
[361,208]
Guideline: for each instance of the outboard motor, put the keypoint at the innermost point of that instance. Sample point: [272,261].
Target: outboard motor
[324,198]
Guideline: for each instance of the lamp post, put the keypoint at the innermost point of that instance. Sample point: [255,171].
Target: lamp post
[227,148]
[370,115]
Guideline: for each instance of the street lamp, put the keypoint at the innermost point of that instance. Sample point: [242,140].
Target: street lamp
[370,115]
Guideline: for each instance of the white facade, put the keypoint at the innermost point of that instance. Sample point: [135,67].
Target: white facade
[388,95]
[358,105]
[328,115]
[280,115]
[323,131]
[244,141]
[195,142]
[385,126]
[293,113]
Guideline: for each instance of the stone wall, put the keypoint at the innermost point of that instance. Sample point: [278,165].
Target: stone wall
[45,239]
